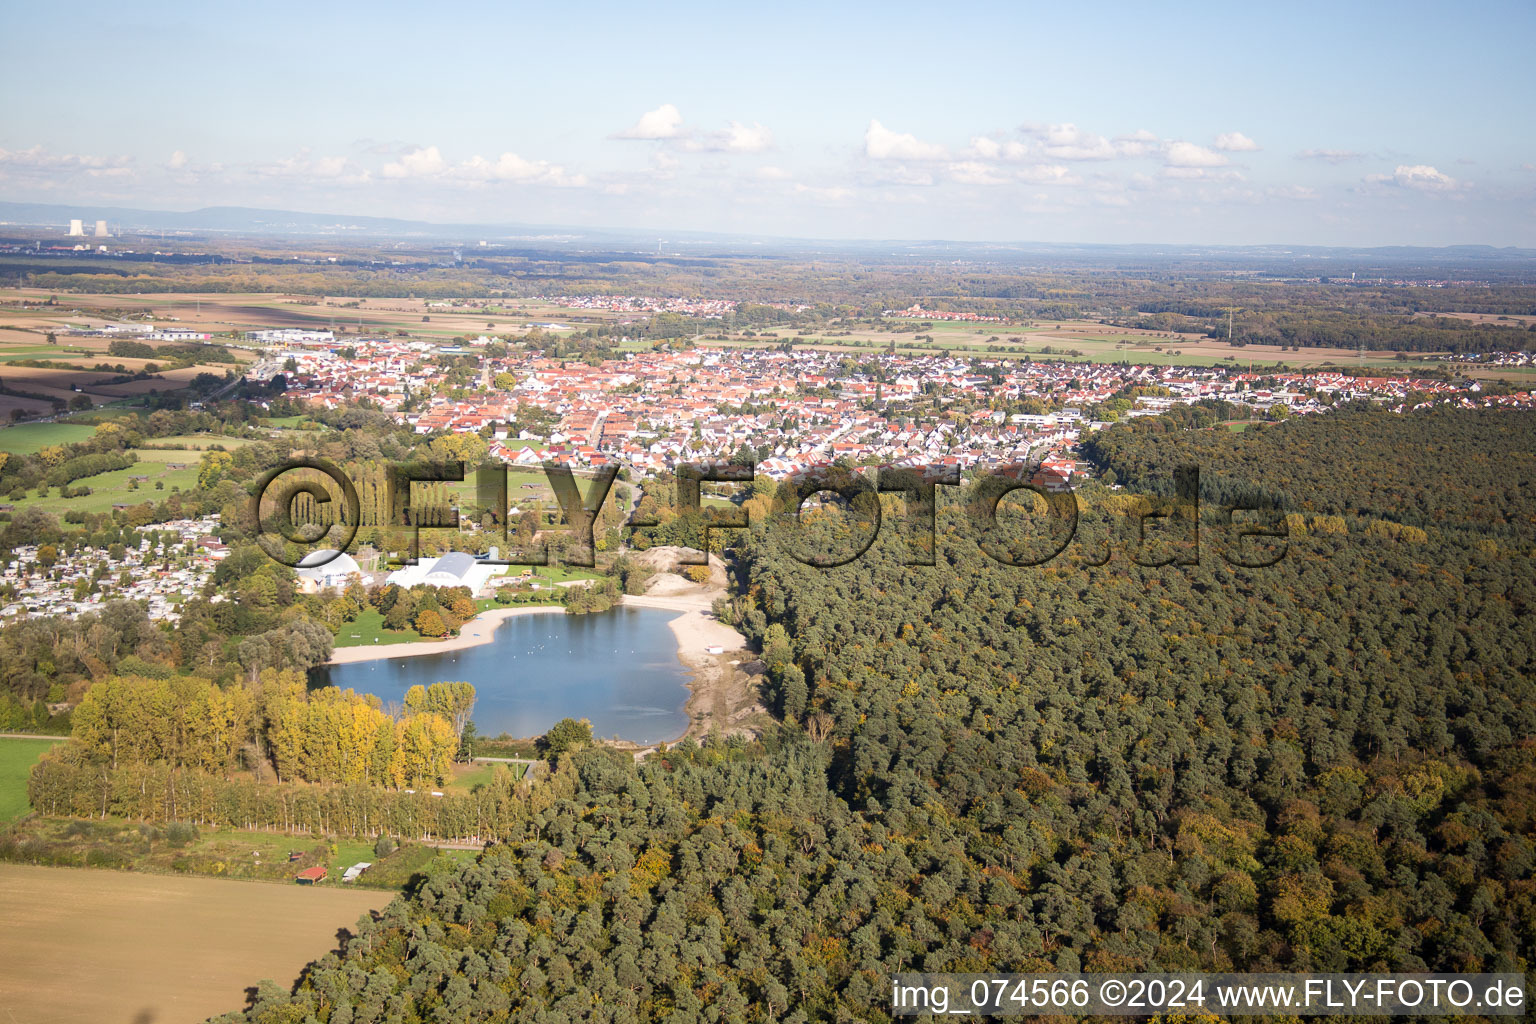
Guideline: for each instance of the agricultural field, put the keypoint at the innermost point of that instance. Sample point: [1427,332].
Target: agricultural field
[23,336]
[81,946]
[17,756]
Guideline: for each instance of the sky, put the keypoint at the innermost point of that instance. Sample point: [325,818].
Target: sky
[1296,123]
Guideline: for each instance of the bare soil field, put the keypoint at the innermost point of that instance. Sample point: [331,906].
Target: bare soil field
[110,946]
[62,383]
[30,406]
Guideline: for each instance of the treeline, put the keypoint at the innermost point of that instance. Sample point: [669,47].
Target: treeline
[82,466]
[323,735]
[67,784]
[1466,469]
[1337,329]
[182,353]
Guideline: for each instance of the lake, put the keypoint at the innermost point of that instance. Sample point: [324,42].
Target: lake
[619,669]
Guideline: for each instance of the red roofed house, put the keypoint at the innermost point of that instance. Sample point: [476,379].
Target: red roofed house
[309,876]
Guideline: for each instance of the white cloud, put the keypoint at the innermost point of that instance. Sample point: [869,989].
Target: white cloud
[753,138]
[1235,142]
[1138,143]
[1332,156]
[1419,177]
[1068,142]
[1046,173]
[1187,154]
[38,159]
[1292,192]
[664,164]
[986,148]
[892,172]
[1202,174]
[834,194]
[665,122]
[973,172]
[420,162]
[737,138]
[880,143]
[510,167]
[301,166]
[331,166]
[665,125]
[772,173]
[177,161]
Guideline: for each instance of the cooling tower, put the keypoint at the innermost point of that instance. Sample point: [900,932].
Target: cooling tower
[101,229]
[76,228]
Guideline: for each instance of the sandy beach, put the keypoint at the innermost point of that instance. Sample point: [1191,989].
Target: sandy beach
[723,690]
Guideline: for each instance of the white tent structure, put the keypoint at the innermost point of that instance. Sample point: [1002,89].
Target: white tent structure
[455,569]
[327,569]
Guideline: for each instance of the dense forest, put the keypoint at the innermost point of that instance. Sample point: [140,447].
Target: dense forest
[1325,764]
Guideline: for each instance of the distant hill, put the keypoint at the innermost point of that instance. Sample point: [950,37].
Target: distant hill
[242,220]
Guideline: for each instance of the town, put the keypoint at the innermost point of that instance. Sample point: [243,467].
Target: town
[653,410]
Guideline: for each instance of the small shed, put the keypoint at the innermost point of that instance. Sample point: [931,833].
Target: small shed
[350,875]
[309,876]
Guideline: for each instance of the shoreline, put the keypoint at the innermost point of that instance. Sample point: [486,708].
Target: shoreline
[712,677]
[478,630]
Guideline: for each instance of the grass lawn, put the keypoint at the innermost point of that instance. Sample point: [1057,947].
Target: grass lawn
[108,489]
[467,776]
[368,629]
[197,441]
[227,853]
[289,422]
[29,438]
[463,492]
[557,573]
[237,846]
[17,756]
[486,604]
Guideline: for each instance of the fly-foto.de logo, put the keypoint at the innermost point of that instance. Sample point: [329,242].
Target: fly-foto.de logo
[310,502]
